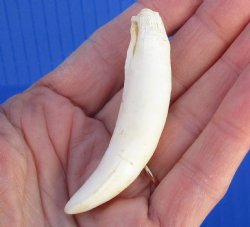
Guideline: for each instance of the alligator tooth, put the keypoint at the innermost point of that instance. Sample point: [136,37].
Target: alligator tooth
[141,118]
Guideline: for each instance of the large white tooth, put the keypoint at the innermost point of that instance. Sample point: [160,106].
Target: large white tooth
[141,118]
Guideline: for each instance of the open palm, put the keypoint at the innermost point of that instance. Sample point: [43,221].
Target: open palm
[53,136]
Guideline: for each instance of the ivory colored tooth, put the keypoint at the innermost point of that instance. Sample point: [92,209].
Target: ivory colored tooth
[141,118]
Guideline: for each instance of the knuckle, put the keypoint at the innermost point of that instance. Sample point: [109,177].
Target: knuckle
[198,180]
[189,119]
[228,128]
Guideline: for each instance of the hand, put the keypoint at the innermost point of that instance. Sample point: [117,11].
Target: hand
[53,135]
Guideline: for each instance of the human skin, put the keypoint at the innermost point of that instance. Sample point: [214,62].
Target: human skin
[53,135]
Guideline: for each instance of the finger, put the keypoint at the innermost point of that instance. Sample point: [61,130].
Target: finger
[191,113]
[204,38]
[201,177]
[94,72]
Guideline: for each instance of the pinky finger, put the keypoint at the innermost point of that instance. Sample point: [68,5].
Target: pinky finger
[201,177]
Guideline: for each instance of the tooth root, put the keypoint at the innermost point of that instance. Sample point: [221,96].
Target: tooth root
[141,117]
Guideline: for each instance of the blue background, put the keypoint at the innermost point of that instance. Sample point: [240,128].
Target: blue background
[37,35]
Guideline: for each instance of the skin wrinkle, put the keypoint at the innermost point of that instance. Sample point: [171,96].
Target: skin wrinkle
[67,163]
[229,128]
[90,157]
[6,211]
[3,134]
[200,179]
[51,198]
[181,83]
[41,84]
[3,211]
[213,27]
[71,149]
[152,214]
[64,101]
[149,217]
[36,170]
[185,112]
[230,64]
[51,142]
[24,188]
[34,209]
[61,164]
[104,126]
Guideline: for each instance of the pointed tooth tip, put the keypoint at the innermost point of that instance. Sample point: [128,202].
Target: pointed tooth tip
[68,209]
[71,208]
[76,206]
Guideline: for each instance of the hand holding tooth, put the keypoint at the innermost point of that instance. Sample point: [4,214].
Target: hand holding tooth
[141,118]
[52,135]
